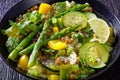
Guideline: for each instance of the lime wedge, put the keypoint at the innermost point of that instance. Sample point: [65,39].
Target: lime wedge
[100,28]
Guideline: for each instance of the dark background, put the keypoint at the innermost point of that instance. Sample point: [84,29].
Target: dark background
[113,73]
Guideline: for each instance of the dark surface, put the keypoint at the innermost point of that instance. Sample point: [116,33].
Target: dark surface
[7,73]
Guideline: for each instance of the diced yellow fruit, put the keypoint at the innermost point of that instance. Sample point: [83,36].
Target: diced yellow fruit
[57,44]
[111,38]
[94,36]
[23,62]
[12,31]
[111,31]
[55,29]
[44,8]
[53,77]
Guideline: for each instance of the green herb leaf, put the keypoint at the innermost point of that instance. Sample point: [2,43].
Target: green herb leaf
[11,43]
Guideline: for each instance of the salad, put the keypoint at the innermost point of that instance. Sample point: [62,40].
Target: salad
[59,41]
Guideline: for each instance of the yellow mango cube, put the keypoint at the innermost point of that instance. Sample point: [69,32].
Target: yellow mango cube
[44,8]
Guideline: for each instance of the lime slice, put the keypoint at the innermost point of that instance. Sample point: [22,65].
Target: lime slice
[93,54]
[100,28]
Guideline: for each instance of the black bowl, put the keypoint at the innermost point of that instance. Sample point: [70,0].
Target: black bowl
[99,9]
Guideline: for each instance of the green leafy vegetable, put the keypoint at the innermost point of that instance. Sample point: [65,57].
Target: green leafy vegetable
[70,49]
[13,55]
[29,23]
[35,70]
[84,72]
[18,27]
[49,50]
[61,53]
[60,6]
[11,43]
[78,36]
[35,17]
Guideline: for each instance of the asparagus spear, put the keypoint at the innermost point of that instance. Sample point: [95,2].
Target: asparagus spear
[38,45]
[27,50]
[77,7]
[40,42]
[62,33]
[65,72]
[23,44]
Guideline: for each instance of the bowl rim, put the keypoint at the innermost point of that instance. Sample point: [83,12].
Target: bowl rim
[89,77]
